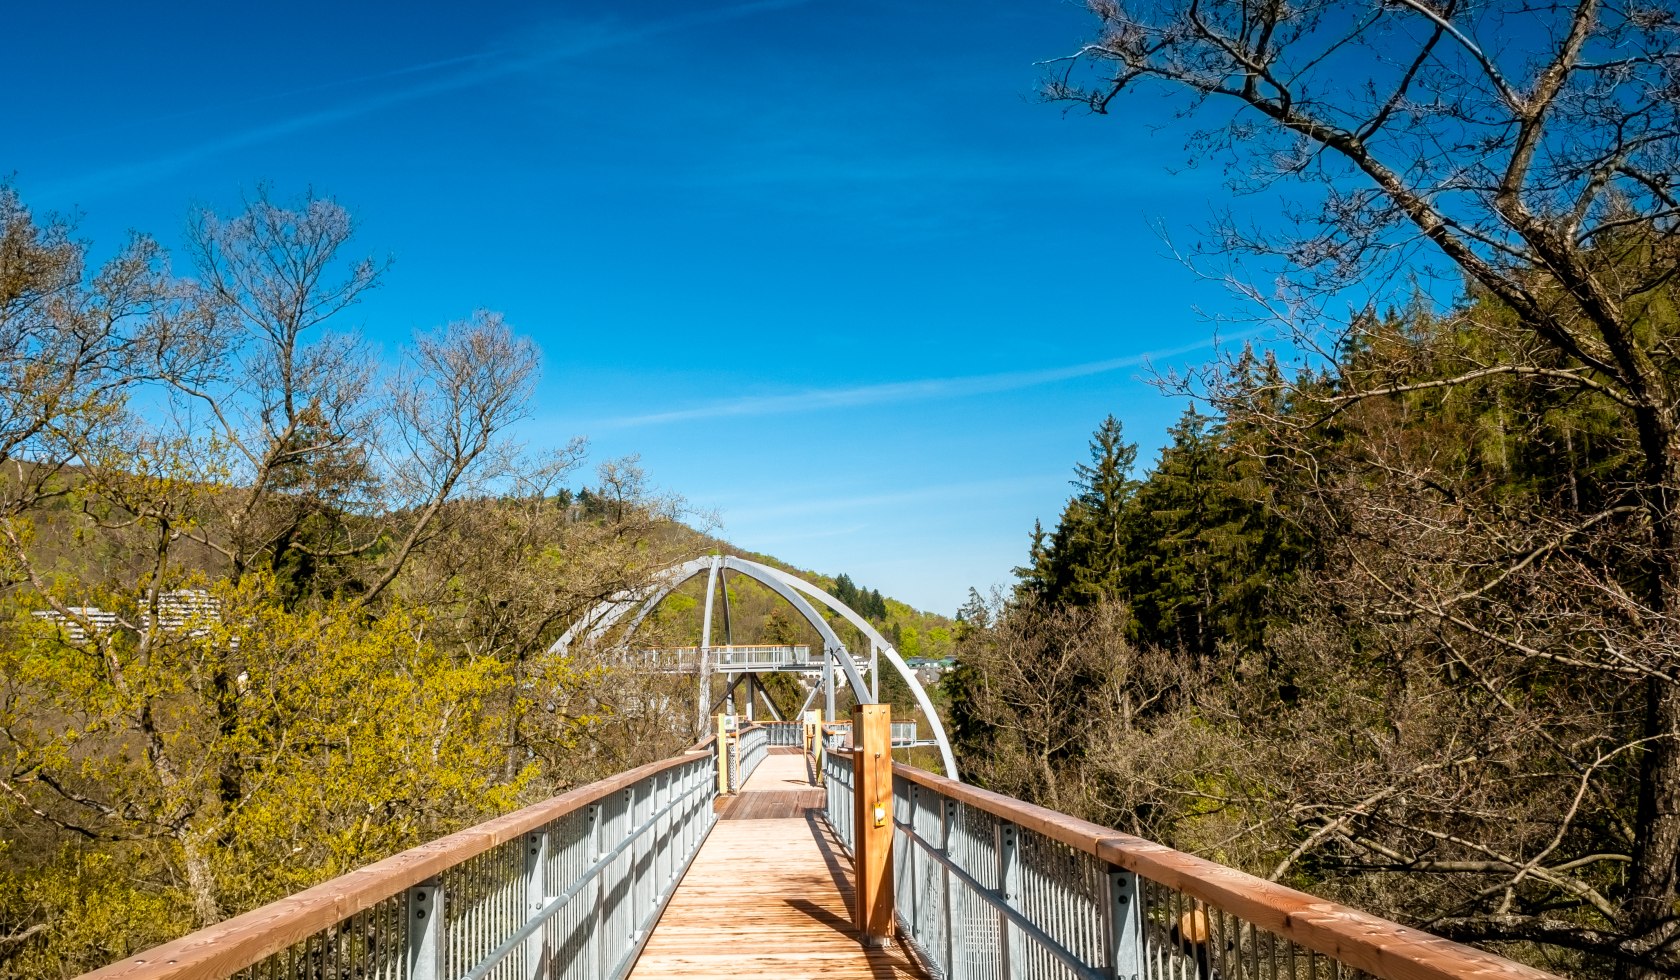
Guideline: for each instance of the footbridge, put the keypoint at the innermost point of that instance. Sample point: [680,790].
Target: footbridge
[741,859]
[611,625]
[796,848]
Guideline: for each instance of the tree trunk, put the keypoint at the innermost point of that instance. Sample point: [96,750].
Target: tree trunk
[201,880]
[1654,888]
[1652,911]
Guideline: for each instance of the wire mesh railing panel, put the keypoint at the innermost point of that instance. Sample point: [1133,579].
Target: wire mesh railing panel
[370,945]
[753,745]
[921,884]
[481,898]
[1062,894]
[988,887]
[568,899]
[837,780]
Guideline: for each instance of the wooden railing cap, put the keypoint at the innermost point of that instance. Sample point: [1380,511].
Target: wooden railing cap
[227,947]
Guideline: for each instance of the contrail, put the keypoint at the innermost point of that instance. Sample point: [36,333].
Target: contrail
[928,389]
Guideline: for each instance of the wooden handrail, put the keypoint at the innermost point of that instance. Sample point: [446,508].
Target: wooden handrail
[1361,940]
[222,949]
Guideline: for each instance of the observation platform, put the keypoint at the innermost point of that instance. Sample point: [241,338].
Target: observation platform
[770,894]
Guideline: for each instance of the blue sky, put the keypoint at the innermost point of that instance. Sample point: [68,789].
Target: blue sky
[829,268]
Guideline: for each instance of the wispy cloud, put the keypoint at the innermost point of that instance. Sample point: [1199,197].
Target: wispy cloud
[926,389]
[782,507]
[436,77]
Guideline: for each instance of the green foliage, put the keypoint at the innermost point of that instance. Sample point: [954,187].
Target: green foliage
[1193,548]
[1383,619]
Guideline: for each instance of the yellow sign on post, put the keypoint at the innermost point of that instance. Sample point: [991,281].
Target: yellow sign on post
[872,822]
[814,745]
[723,754]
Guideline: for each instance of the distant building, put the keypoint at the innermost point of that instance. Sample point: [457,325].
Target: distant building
[184,611]
[101,620]
[177,609]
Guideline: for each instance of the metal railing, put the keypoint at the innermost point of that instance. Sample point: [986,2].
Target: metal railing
[747,748]
[566,888]
[785,733]
[728,659]
[837,781]
[840,734]
[990,887]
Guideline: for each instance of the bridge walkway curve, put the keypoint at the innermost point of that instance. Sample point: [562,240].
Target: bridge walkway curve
[770,893]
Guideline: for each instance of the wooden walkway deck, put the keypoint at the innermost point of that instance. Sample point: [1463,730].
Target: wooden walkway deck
[769,894]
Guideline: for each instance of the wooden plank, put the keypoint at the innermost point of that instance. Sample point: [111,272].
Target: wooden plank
[779,788]
[767,898]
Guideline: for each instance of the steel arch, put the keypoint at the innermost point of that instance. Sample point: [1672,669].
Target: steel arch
[605,614]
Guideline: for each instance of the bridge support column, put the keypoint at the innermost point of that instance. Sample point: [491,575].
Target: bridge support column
[872,834]
[828,685]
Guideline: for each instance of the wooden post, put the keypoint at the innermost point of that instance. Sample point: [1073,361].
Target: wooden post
[872,831]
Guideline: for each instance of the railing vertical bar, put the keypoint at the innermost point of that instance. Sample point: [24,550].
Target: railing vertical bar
[1173,930]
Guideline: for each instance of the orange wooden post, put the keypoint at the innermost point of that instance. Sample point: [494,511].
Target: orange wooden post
[872,832]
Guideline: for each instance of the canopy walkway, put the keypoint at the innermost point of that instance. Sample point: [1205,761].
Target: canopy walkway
[738,859]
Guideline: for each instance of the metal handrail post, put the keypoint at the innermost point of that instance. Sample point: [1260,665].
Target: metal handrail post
[425,929]
[536,946]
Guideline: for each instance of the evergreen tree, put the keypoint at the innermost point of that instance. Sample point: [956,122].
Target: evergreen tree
[846,590]
[974,612]
[1086,556]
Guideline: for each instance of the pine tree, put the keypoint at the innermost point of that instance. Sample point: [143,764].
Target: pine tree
[1087,553]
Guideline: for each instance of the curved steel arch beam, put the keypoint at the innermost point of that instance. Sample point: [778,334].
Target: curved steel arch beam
[922,699]
[831,640]
[604,614]
[602,617]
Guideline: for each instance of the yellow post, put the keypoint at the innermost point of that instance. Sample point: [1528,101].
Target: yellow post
[873,822]
[814,744]
[723,754]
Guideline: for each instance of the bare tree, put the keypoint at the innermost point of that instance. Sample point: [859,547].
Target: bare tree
[460,390]
[290,408]
[1534,150]
[71,343]
[1057,706]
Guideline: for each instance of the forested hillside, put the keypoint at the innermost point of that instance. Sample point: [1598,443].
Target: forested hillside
[271,612]
[1384,628]
[1398,619]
